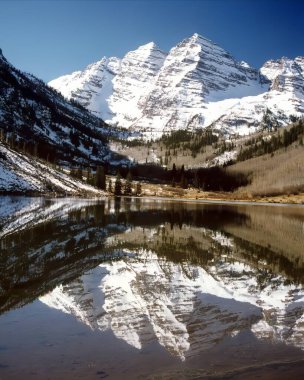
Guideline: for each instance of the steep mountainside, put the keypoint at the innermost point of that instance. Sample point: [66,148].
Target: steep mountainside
[20,173]
[91,87]
[38,119]
[136,79]
[196,84]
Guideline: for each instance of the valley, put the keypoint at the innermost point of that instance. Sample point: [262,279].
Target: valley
[151,190]
[177,122]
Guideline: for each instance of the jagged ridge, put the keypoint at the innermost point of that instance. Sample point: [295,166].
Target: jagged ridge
[195,85]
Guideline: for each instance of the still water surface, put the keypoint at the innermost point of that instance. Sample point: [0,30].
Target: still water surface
[149,289]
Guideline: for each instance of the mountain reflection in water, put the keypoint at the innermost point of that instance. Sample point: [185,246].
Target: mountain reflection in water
[185,275]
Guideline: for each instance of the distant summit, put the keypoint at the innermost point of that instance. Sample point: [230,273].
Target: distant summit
[195,85]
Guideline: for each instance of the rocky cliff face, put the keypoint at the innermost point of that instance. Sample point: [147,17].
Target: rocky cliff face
[285,75]
[195,85]
[136,79]
[91,87]
[195,73]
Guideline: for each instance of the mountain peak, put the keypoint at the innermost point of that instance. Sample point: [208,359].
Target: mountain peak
[149,46]
[153,91]
[197,38]
[2,58]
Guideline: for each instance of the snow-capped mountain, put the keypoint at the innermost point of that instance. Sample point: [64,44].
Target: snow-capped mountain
[135,81]
[196,84]
[91,87]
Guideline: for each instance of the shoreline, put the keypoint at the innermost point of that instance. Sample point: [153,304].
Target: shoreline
[219,201]
[207,198]
[174,193]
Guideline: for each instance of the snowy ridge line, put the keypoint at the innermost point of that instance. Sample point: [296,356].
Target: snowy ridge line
[195,85]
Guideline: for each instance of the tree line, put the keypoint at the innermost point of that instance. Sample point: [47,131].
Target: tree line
[117,186]
[209,179]
[258,146]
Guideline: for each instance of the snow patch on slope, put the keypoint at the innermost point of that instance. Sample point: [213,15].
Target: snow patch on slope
[21,173]
[195,85]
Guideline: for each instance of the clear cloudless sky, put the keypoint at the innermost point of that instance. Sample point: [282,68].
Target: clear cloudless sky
[49,38]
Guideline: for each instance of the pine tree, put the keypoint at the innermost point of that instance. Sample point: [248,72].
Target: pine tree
[35,151]
[89,176]
[173,178]
[128,184]
[110,187]
[196,180]
[118,185]
[100,178]
[78,173]
[183,181]
[138,189]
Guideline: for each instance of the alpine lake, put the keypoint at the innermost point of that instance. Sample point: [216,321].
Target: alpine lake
[137,288]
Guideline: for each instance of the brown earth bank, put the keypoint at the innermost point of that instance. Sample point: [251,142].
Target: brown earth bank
[167,191]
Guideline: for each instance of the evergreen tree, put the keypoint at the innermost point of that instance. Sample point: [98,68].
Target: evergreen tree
[94,150]
[196,180]
[24,146]
[100,178]
[173,177]
[110,187]
[118,185]
[173,170]
[183,181]
[35,151]
[128,184]
[89,176]
[138,189]
[79,173]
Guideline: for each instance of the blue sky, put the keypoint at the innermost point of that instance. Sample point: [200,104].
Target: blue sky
[49,38]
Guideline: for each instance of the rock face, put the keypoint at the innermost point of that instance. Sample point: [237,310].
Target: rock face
[286,75]
[91,87]
[195,85]
[195,73]
[136,79]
